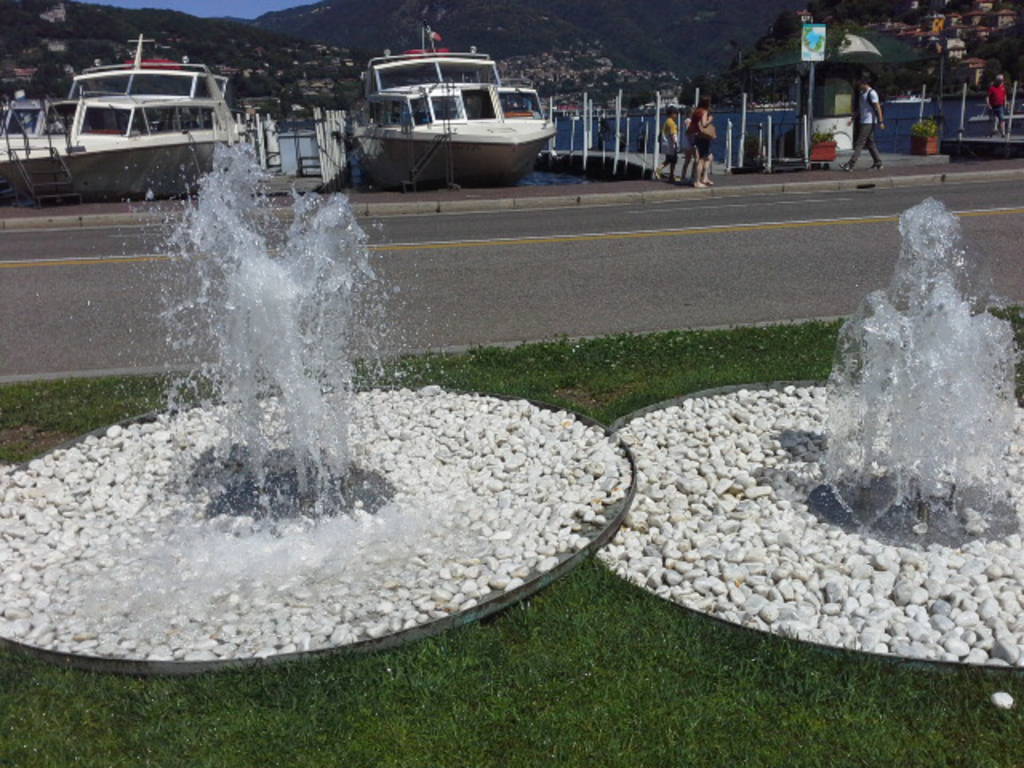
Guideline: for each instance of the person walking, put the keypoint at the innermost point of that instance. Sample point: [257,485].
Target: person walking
[869,119]
[701,132]
[997,106]
[669,145]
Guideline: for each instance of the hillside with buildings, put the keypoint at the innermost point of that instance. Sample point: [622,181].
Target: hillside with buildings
[43,43]
[562,46]
[977,38]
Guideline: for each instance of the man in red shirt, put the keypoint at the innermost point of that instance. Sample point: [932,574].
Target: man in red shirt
[997,105]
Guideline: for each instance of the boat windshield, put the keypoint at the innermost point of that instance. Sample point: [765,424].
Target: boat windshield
[143,84]
[420,113]
[520,104]
[175,119]
[105,85]
[109,120]
[468,72]
[161,85]
[479,105]
[446,107]
[405,75]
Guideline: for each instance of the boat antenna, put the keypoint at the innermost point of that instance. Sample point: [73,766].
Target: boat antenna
[138,50]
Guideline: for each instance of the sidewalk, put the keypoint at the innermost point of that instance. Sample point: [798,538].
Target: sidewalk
[636,192]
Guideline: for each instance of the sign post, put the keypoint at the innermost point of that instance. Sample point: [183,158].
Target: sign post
[812,49]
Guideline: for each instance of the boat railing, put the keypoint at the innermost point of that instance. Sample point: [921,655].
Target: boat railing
[9,119]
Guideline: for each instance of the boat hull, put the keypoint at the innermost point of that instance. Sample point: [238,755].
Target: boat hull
[389,156]
[126,173]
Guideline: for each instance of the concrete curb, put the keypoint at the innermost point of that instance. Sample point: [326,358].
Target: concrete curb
[368,209]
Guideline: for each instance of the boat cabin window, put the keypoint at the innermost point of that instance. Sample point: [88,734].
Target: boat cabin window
[420,111]
[175,119]
[479,105]
[446,107]
[161,85]
[106,85]
[388,112]
[416,73]
[520,104]
[459,72]
[106,120]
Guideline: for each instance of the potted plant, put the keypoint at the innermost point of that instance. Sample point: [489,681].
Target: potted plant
[823,147]
[924,137]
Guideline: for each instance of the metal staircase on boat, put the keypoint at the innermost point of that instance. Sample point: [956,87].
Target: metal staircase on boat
[47,179]
[441,140]
[43,173]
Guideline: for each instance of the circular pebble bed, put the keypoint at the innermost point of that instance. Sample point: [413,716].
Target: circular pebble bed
[721,525]
[107,551]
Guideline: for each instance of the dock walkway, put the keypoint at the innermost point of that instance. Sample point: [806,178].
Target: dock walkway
[628,192]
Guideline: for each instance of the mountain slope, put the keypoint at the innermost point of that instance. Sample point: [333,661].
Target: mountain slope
[693,36]
[263,62]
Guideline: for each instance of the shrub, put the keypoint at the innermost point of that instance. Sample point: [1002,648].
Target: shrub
[925,128]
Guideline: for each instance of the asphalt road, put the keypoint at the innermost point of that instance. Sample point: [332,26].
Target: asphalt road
[88,301]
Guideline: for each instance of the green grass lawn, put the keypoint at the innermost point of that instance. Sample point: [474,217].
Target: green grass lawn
[589,672]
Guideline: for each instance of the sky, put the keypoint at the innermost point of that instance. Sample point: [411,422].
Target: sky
[244,9]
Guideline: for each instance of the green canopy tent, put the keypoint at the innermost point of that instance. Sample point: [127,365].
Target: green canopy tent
[870,50]
[849,56]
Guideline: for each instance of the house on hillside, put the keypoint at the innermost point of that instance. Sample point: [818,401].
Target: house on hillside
[1001,19]
[56,14]
[971,71]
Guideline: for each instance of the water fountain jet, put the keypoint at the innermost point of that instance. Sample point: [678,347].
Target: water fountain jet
[881,513]
[290,514]
[921,398]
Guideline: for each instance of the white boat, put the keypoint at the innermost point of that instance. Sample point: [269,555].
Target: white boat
[437,118]
[140,130]
[911,99]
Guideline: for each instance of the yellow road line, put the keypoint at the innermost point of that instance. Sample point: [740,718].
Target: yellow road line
[714,229]
[78,262]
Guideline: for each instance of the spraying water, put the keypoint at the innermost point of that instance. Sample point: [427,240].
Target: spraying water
[281,313]
[921,395]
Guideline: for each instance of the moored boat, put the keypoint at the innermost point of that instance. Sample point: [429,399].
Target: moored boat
[438,118]
[142,129]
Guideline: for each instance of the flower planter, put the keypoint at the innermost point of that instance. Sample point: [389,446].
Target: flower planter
[823,152]
[924,145]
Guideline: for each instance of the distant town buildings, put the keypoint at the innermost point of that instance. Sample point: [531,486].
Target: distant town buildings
[57,14]
[953,34]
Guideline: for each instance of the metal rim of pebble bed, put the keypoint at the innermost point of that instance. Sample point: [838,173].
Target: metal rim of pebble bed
[486,607]
[902,661]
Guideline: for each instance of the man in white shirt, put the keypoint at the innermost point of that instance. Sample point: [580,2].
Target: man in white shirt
[869,118]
